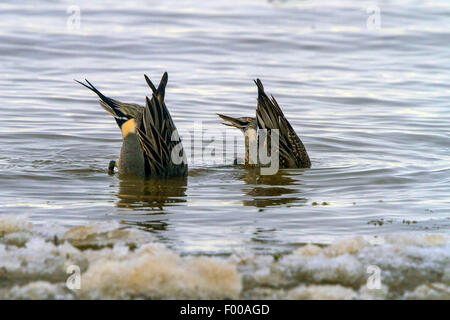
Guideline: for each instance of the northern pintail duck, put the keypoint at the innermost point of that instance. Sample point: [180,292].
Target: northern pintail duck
[151,146]
[292,152]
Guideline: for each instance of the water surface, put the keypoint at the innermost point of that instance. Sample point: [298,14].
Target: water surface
[371,107]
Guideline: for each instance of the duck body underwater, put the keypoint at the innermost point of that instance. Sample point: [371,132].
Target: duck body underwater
[151,146]
[290,151]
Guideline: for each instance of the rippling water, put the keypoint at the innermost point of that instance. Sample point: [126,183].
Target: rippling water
[371,106]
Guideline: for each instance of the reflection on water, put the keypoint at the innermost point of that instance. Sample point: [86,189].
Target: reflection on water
[151,194]
[149,225]
[148,198]
[271,190]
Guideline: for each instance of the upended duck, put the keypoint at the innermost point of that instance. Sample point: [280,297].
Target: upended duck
[151,146]
[291,151]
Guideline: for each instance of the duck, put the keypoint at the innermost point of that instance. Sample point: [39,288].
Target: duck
[151,146]
[291,150]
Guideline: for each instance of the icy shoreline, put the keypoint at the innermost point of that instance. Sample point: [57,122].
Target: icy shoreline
[125,263]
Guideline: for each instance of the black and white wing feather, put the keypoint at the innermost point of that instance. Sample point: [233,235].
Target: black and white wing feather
[119,110]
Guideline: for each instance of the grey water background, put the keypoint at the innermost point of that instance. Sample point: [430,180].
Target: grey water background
[370,104]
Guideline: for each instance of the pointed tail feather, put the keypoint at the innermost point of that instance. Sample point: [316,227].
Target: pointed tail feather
[150,83]
[161,90]
[119,110]
[110,105]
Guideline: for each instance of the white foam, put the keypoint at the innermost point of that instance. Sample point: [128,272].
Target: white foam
[14,223]
[431,291]
[37,290]
[324,292]
[155,272]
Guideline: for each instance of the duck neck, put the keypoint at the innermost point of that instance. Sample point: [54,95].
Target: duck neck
[131,159]
[251,147]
